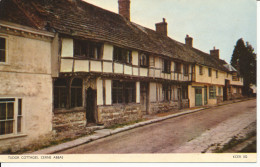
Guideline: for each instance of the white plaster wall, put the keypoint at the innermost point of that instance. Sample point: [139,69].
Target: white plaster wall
[107,67]
[118,68]
[143,72]
[128,70]
[108,92]
[66,65]
[27,55]
[36,93]
[67,47]
[137,92]
[81,66]
[100,92]
[108,52]
[95,66]
[135,71]
[135,58]
[152,92]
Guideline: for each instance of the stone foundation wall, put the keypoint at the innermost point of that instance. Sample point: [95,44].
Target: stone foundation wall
[236,96]
[69,124]
[185,103]
[159,107]
[219,99]
[118,114]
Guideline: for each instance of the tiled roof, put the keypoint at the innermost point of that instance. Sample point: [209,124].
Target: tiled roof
[83,20]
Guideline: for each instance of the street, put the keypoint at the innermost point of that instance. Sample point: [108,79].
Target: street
[189,133]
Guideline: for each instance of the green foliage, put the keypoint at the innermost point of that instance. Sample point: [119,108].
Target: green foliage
[244,60]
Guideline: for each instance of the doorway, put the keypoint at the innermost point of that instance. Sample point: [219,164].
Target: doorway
[205,95]
[179,93]
[91,104]
[198,96]
[144,97]
[226,90]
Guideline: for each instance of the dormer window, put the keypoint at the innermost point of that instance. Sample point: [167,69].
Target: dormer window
[144,60]
[87,49]
[122,55]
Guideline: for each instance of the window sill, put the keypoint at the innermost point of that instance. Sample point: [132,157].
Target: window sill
[11,136]
[4,64]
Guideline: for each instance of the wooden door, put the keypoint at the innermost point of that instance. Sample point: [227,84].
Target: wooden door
[198,96]
[205,95]
[91,105]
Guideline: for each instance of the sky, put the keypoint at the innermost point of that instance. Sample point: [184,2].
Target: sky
[210,23]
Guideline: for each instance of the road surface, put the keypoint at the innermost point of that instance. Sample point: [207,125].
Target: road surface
[184,134]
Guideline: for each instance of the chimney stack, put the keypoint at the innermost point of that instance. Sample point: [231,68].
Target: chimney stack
[189,41]
[162,27]
[124,8]
[215,52]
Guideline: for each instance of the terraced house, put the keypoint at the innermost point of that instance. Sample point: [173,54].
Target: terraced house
[68,65]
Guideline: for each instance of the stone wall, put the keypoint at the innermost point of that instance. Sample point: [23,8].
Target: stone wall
[219,99]
[118,114]
[69,124]
[159,107]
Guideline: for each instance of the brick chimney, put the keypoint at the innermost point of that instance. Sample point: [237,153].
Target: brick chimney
[162,27]
[124,8]
[215,52]
[189,41]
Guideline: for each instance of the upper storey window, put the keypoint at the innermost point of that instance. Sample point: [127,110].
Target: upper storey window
[210,72]
[201,70]
[2,50]
[166,66]
[122,55]
[87,49]
[177,68]
[186,69]
[144,60]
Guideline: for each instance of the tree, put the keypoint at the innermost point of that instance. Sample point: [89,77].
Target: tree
[244,60]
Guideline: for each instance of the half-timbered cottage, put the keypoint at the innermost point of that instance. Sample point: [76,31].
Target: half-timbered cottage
[101,68]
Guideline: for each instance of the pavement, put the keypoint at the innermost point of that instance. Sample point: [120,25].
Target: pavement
[99,134]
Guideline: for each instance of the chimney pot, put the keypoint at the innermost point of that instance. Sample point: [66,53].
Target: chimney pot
[215,52]
[162,27]
[189,41]
[124,8]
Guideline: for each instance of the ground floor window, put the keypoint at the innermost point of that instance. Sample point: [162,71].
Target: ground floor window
[166,92]
[212,92]
[123,92]
[8,109]
[66,95]
[76,93]
[219,91]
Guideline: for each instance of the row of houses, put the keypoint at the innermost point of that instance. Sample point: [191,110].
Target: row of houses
[69,65]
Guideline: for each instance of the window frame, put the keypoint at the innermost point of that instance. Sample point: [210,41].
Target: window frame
[201,70]
[212,92]
[119,91]
[177,67]
[143,63]
[125,54]
[5,50]
[90,49]
[166,66]
[209,72]
[216,73]
[167,92]
[18,116]
[186,69]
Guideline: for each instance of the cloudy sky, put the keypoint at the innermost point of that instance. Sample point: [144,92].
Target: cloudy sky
[211,23]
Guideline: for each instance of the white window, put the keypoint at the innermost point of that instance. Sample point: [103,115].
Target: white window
[10,116]
[3,50]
